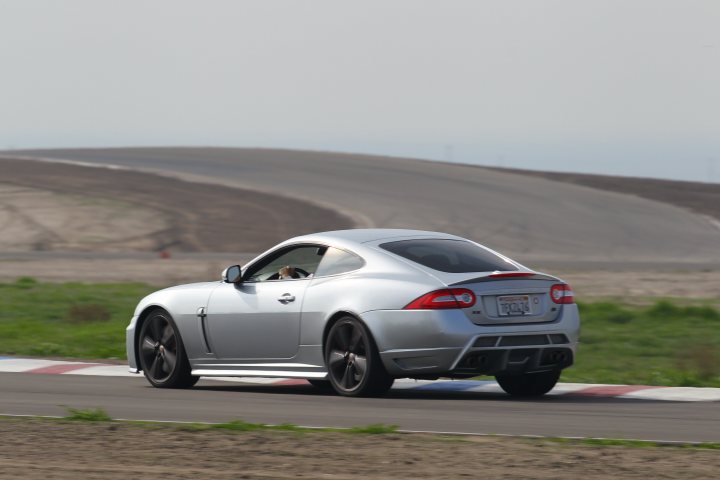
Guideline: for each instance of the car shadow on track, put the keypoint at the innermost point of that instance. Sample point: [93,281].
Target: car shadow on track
[417,394]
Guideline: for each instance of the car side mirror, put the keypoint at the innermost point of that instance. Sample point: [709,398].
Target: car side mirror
[232,274]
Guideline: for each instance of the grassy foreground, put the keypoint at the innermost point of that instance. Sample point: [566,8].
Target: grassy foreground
[663,344]
[99,415]
[95,415]
[88,444]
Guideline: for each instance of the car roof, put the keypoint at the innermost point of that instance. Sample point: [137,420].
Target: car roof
[364,241]
[365,235]
[358,239]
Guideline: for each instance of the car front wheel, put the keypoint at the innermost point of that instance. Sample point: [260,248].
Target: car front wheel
[354,365]
[161,353]
[529,384]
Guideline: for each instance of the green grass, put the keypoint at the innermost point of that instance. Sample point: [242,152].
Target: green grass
[663,344]
[374,429]
[88,415]
[666,343]
[66,319]
[99,415]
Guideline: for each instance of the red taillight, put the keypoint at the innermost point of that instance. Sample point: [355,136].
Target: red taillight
[512,274]
[445,298]
[562,294]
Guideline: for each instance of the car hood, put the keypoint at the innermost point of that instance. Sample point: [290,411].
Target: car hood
[191,286]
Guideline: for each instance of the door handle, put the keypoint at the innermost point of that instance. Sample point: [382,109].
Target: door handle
[286,298]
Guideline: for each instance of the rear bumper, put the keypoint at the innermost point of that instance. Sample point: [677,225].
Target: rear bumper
[426,343]
[514,360]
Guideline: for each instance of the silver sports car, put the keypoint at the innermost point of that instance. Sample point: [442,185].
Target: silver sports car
[356,309]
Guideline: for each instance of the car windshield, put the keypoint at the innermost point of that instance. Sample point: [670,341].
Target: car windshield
[451,256]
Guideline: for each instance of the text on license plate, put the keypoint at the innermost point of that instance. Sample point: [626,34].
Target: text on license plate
[510,305]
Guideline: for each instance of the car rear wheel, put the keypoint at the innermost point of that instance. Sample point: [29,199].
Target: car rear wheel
[354,365]
[529,384]
[161,353]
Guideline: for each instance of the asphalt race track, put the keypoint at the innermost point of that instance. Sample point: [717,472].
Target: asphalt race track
[214,401]
[532,219]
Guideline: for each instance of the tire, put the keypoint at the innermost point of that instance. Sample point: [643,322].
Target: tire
[529,384]
[353,363]
[161,353]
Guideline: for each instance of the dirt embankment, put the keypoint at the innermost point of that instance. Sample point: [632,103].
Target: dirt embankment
[40,220]
[699,197]
[66,450]
[119,204]
[117,216]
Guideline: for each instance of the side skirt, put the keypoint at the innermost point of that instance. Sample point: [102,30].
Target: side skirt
[204,372]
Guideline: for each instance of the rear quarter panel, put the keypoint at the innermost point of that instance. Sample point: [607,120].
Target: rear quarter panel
[368,289]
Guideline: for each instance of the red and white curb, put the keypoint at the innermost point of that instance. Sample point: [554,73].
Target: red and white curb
[640,392]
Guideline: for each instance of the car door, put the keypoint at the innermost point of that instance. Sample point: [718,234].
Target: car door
[259,318]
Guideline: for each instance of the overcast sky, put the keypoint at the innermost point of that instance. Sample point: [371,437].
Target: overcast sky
[621,87]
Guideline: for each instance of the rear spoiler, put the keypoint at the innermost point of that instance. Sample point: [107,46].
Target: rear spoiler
[506,276]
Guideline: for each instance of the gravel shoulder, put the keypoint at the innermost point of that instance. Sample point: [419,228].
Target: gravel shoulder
[115,450]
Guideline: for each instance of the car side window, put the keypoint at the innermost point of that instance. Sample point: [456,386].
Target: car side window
[287,264]
[338,261]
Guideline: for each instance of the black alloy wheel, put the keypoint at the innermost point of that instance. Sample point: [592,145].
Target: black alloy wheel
[354,366]
[161,353]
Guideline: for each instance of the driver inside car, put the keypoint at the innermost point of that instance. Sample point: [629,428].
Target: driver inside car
[287,272]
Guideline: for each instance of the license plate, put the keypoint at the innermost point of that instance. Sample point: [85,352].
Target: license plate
[514,305]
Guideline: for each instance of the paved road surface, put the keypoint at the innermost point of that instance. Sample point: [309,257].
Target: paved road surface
[530,218]
[133,398]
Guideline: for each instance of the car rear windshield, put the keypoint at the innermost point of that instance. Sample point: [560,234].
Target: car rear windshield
[452,256]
